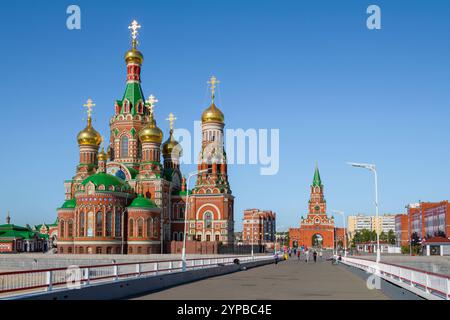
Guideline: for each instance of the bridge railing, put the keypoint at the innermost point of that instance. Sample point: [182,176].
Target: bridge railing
[427,284]
[15,283]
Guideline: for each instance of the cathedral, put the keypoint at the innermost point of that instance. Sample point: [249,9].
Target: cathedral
[125,200]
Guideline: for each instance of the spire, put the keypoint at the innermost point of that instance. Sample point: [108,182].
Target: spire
[316,181]
[8,218]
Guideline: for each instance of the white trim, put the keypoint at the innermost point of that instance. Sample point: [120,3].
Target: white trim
[208,204]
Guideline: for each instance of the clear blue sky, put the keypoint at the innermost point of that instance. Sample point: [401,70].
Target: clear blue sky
[337,91]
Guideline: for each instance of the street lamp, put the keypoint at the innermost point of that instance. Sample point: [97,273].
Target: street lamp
[345,230]
[372,168]
[183,252]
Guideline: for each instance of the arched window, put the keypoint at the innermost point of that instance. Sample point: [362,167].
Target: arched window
[118,224]
[155,227]
[124,147]
[90,224]
[108,224]
[208,220]
[81,224]
[149,227]
[62,227]
[99,224]
[70,228]
[175,236]
[140,227]
[131,228]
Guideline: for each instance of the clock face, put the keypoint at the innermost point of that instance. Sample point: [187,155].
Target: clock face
[317,208]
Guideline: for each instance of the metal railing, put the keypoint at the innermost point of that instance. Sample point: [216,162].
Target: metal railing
[16,283]
[427,284]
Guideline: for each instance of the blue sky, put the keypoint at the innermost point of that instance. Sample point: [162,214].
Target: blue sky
[337,91]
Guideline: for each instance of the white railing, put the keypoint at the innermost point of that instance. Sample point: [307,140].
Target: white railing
[426,284]
[16,283]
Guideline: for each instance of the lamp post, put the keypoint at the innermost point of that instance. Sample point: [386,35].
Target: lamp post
[373,169]
[345,230]
[183,252]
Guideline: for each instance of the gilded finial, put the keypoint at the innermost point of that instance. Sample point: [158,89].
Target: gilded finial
[134,27]
[213,82]
[89,105]
[171,120]
[151,102]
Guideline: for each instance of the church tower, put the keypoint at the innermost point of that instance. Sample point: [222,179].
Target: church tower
[131,112]
[317,203]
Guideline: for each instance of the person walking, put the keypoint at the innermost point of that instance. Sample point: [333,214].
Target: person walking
[320,254]
[298,255]
[315,255]
[307,256]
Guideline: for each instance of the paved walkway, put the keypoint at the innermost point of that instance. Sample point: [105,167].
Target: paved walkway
[287,280]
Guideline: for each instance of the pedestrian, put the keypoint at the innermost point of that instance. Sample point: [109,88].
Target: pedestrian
[290,252]
[320,254]
[315,255]
[276,258]
[298,255]
[307,256]
[295,251]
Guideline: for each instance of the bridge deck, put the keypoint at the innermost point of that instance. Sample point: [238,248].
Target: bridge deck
[291,279]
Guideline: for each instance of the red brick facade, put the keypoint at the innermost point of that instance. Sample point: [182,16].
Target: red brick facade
[263,225]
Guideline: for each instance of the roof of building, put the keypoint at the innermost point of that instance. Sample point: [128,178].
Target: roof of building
[11,231]
[142,202]
[69,204]
[317,182]
[105,179]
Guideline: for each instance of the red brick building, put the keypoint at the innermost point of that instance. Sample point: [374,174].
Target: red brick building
[401,230]
[125,200]
[430,219]
[259,227]
[317,229]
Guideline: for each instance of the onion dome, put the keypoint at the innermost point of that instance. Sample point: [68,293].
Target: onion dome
[213,114]
[134,56]
[102,156]
[151,132]
[89,136]
[141,202]
[170,144]
[69,204]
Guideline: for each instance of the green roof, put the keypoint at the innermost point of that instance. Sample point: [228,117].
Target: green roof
[105,179]
[133,172]
[133,93]
[69,204]
[316,181]
[11,231]
[141,202]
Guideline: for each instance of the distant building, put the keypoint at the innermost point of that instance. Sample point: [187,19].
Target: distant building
[429,219]
[263,223]
[48,229]
[401,230]
[384,223]
[15,239]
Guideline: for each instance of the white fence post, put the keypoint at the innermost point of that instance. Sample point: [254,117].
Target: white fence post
[138,269]
[170,266]
[116,272]
[49,280]
[156,268]
[427,281]
[86,276]
[448,290]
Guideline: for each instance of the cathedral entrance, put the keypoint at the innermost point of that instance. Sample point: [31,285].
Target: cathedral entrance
[317,240]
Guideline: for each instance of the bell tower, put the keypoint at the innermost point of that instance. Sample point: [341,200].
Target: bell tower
[317,202]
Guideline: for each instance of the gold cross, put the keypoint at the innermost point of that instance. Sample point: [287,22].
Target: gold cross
[134,26]
[151,101]
[171,120]
[213,82]
[89,105]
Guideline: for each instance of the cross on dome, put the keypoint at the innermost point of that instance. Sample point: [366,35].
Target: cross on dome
[89,105]
[213,82]
[151,101]
[171,120]
[134,26]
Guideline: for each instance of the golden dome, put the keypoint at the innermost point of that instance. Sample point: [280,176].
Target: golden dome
[102,156]
[151,133]
[134,56]
[170,145]
[213,114]
[89,136]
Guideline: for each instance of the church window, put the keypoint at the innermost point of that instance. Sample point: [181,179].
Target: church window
[70,228]
[140,227]
[82,224]
[208,237]
[155,227]
[99,224]
[217,237]
[149,227]
[62,228]
[124,147]
[117,225]
[108,224]
[131,228]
